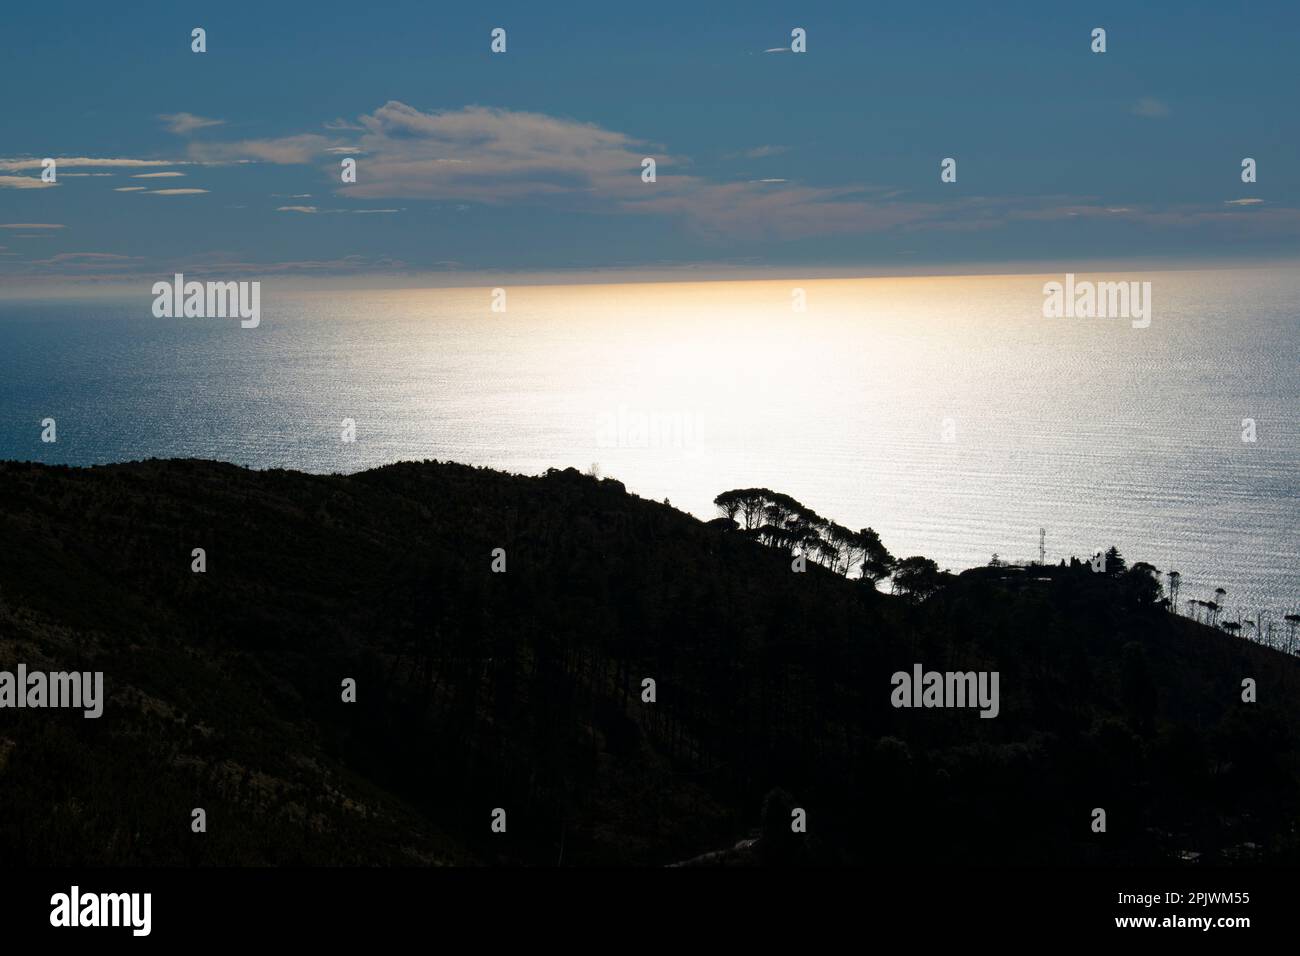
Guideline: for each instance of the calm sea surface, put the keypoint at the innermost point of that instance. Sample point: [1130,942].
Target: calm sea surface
[948,413]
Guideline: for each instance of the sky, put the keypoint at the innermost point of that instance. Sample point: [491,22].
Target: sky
[469,162]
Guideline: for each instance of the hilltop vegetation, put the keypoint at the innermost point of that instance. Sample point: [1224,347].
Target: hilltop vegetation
[523,690]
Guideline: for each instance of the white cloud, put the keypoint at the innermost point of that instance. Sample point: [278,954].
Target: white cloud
[31,225]
[130,189]
[1242,202]
[23,182]
[185,123]
[345,212]
[495,156]
[166,175]
[74,162]
[286,150]
[174,192]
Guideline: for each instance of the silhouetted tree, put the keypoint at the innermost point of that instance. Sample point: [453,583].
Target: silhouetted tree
[848,547]
[1141,584]
[1211,611]
[747,502]
[826,552]
[728,504]
[877,562]
[916,578]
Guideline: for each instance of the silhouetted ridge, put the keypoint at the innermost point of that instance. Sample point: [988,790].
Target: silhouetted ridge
[523,689]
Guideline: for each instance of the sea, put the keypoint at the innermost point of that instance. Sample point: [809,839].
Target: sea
[948,413]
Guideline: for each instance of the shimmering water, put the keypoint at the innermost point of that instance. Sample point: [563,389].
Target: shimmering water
[947,413]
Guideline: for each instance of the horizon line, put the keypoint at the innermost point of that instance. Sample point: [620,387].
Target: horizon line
[71,286]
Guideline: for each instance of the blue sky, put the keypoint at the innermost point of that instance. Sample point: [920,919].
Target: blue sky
[529,161]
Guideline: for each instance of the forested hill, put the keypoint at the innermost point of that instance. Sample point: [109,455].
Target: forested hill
[522,689]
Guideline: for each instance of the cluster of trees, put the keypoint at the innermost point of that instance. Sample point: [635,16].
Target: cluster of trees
[779,521]
[1137,586]
[1260,627]
[1140,585]
[1212,609]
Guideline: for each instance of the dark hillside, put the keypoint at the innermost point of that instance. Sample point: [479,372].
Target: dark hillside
[522,690]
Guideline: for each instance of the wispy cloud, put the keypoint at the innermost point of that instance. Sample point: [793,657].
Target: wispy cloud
[759,152]
[102,258]
[93,267]
[31,225]
[76,162]
[23,182]
[286,150]
[184,123]
[329,212]
[1150,107]
[78,263]
[496,156]
[130,189]
[1235,221]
